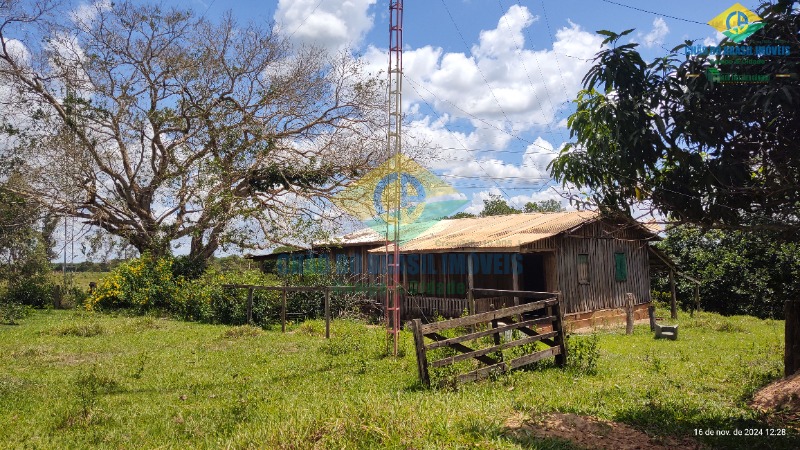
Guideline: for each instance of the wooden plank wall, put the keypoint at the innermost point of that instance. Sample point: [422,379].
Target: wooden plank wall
[602,291]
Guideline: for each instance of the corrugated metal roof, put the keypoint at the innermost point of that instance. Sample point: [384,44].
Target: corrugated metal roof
[506,233]
[363,236]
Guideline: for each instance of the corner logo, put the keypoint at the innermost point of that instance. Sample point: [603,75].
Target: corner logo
[423,198]
[737,23]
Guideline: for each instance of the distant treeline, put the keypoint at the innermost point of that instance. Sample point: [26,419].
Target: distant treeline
[88,266]
[223,264]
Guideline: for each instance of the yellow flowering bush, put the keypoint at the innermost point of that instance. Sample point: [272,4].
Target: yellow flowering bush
[142,283]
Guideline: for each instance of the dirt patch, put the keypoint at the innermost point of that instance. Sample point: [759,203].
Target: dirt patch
[594,433]
[780,401]
[782,394]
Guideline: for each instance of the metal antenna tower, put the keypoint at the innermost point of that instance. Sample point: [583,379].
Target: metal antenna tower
[394,142]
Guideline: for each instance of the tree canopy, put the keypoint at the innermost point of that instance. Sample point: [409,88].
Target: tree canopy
[741,272]
[162,127]
[496,205]
[700,150]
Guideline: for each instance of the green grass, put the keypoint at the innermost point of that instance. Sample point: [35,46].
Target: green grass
[80,280]
[71,379]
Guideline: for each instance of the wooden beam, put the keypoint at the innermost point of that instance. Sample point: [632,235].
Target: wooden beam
[483,372]
[559,342]
[422,358]
[283,311]
[492,349]
[250,306]
[673,305]
[460,347]
[515,277]
[487,316]
[470,285]
[507,293]
[497,330]
[327,314]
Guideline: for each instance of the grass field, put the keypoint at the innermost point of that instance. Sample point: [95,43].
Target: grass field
[71,379]
[78,279]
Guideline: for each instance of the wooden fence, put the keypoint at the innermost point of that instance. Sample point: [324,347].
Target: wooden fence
[519,318]
[416,306]
[284,289]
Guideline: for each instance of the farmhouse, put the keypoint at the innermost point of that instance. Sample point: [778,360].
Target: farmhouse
[591,259]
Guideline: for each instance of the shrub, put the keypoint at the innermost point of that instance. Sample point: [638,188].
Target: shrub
[141,283]
[187,268]
[205,299]
[12,312]
[32,291]
[583,353]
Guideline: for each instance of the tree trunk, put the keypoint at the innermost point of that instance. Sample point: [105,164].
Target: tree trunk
[791,357]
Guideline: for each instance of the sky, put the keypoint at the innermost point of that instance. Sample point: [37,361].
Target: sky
[487,84]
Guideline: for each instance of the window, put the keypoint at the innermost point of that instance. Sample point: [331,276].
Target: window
[620,267]
[583,268]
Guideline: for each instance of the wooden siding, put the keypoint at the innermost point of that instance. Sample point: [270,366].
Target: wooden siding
[600,240]
[602,291]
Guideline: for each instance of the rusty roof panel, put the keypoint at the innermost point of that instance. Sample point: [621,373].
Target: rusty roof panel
[497,233]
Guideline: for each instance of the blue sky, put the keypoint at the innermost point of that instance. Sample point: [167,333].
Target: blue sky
[488,83]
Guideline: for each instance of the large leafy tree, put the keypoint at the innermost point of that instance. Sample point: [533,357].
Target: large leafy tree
[159,126]
[741,272]
[25,231]
[718,155]
[496,205]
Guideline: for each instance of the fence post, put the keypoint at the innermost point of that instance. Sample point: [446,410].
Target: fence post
[283,311]
[327,313]
[419,344]
[250,305]
[673,307]
[791,355]
[651,312]
[628,313]
[558,325]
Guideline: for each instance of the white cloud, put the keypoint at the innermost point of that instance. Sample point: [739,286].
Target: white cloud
[327,24]
[657,34]
[86,13]
[531,170]
[508,36]
[18,51]
[499,84]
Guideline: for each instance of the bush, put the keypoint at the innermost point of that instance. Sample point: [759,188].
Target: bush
[164,283]
[142,283]
[207,300]
[32,291]
[187,268]
[583,353]
[12,312]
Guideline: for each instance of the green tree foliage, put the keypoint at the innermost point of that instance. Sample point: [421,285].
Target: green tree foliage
[496,205]
[462,215]
[24,264]
[741,272]
[715,154]
[161,127]
[543,206]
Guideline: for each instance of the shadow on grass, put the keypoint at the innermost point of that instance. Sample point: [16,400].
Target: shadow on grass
[537,443]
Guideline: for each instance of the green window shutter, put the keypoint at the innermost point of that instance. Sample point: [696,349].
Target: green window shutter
[620,267]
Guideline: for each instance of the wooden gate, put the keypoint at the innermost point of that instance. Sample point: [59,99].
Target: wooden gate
[497,323]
